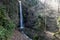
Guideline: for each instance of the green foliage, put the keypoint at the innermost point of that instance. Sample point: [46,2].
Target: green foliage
[40,24]
[6,25]
[36,37]
[58,22]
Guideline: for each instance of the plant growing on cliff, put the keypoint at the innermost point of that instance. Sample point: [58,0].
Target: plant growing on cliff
[58,22]
[6,25]
[36,37]
[40,24]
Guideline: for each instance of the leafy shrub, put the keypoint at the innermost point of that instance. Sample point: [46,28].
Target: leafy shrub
[36,37]
[6,25]
[58,22]
[40,23]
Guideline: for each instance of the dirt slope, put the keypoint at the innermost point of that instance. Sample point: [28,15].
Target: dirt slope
[19,36]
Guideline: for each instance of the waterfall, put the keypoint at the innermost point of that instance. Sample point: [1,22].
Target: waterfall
[21,21]
[21,16]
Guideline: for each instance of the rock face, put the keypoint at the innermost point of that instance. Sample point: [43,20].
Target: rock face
[43,8]
[46,10]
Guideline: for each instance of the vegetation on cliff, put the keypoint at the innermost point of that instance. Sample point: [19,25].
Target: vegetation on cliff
[8,18]
[40,22]
[6,25]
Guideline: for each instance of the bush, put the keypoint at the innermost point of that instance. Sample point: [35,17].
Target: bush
[6,25]
[36,37]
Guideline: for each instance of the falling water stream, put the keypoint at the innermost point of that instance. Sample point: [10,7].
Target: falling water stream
[21,16]
[21,21]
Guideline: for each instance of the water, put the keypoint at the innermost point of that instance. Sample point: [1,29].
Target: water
[21,22]
[21,16]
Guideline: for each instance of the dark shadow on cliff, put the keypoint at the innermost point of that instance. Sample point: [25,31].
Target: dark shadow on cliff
[34,23]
